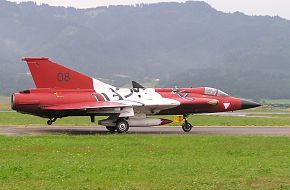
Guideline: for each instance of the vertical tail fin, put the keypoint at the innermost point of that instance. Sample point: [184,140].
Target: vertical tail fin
[47,74]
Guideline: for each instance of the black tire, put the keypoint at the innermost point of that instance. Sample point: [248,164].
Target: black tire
[111,128]
[49,122]
[186,127]
[122,126]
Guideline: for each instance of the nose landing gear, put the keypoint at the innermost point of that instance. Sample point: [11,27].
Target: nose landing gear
[186,126]
[51,121]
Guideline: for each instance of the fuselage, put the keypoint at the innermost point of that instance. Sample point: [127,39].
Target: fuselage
[149,101]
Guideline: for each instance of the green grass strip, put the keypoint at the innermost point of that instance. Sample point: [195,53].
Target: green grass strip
[144,162]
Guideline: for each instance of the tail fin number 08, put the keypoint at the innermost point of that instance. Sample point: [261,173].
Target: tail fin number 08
[63,77]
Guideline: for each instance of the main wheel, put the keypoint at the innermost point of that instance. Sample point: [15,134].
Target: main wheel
[122,126]
[111,128]
[186,127]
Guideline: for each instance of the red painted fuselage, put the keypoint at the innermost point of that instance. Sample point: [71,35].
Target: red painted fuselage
[192,100]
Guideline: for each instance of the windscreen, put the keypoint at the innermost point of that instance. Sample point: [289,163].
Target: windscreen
[221,93]
[210,91]
[214,92]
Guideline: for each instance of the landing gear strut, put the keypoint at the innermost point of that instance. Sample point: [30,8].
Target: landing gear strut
[51,121]
[92,119]
[186,126]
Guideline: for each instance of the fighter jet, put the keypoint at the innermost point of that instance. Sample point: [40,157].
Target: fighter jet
[62,92]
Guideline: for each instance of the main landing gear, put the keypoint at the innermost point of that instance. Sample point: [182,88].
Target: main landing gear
[122,126]
[51,121]
[186,126]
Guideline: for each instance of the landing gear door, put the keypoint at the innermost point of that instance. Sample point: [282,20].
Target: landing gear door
[126,112]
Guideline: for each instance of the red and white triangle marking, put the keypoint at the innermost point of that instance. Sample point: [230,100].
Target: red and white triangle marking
[227,105]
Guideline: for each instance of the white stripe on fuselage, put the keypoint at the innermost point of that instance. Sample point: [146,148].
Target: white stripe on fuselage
[143,100]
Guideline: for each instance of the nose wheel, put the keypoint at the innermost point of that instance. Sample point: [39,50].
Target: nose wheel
[51,121]
[186,126]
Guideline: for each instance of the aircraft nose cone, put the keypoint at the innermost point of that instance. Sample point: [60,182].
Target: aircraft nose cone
[246,104]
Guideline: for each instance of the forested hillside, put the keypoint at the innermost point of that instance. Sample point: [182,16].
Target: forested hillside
[183,44]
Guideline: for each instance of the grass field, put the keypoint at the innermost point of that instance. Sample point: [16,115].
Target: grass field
[13,118]
[267,108]
[276,101]
[144,162]
[270,115]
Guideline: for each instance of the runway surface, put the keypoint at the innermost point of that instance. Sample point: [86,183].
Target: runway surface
[78,130]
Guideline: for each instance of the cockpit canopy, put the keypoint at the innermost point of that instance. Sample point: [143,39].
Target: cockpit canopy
[214,92]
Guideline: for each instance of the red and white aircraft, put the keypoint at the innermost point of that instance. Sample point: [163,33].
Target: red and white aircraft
[62,92]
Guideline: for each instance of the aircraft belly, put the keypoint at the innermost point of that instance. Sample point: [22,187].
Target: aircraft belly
[123,112]
[187,109]
[151,110]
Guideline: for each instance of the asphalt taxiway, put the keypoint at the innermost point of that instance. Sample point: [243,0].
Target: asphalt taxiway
[88,130]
